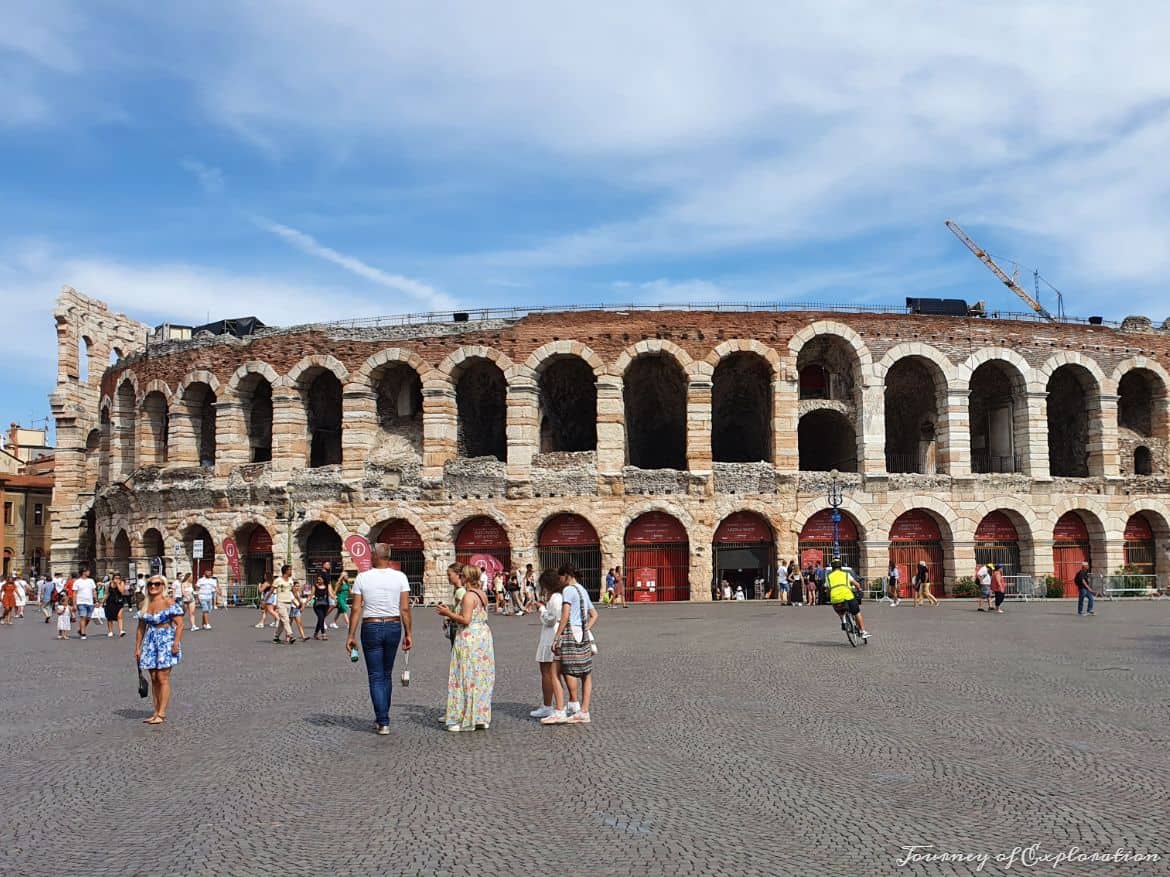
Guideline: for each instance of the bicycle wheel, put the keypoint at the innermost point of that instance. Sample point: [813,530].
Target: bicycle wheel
[850,629]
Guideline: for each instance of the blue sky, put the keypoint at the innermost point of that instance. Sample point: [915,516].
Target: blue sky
[311,160]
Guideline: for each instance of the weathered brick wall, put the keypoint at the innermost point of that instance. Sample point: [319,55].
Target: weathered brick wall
[522,493]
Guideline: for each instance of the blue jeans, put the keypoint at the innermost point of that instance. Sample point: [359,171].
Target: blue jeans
[380,646]
[1084,594]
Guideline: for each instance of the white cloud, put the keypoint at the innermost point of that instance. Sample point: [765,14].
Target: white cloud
[210,178]
[422,293]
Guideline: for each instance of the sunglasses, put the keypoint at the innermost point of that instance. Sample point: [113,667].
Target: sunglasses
[155,585]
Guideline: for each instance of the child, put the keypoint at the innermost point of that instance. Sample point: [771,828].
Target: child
[294,612]
[64,617]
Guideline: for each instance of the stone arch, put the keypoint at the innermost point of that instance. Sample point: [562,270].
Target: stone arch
[126,414]
[745,345]
[427,532]
[154,429]
[198,376]
[1072,357]
[1032,383]
[363,378]
[652,346]
[743,393]
[452,524]
[313,362]
[252,367]
[998,387]
[905,349]
[1074,386]
[831,327]
[546,353]
[655,392]
[481,403]
[1142,387]
[863,516]
[450,365]
[129,375]
[310,556]
[917,433]
[908,554]
[779,523]
[566,403]
[630,514]
[155,386]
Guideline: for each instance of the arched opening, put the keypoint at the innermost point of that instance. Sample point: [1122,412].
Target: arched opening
[398,394]
[156,423]
[1071,547]
[83,354]
[87,543]
[256,398]
[121,558]
[481,398]
[1143,432]
[568,406]
[741,410]
[321,546]
[915,537]
[154,551]
[998,541]
[93,459]
[257,561]
[1072,406]
[655,389]
[322,395]
[915,395]
[127,428]
[815,543]
[482,542]
[115,355]
[744,554]
[1140,555]
[829,369]
[200,549]
[107,438]
[406,551]
[997,404]
[571,539]
[200,401]
[657,559]
[826,441]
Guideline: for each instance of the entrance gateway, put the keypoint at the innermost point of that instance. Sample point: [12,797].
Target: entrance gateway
[744,552]
[914,537]
[568,538]
[658,559]
[406,551]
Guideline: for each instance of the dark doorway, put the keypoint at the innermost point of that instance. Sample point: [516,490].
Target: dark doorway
[568,406]
[826,442]
[741,410]
[256,395]
[1068,423]
[323,410]
[482,403]
[656,413]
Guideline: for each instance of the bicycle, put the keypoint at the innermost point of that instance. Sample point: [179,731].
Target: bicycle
[852,631]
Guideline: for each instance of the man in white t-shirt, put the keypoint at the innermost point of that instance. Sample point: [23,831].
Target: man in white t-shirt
[380,607]
[983,576]
[205,589]
[84,589]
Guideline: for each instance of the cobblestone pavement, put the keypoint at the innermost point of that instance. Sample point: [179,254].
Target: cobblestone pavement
[727,739]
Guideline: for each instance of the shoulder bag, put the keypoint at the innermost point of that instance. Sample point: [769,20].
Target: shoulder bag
[576,657]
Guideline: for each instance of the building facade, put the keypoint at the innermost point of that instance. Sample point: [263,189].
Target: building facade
[683,445]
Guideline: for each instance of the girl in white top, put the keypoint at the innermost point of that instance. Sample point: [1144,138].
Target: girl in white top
[550,613]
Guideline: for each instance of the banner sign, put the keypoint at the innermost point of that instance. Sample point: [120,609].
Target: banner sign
[358,548]
[232,553]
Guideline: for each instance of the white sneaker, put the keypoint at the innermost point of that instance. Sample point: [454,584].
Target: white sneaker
[334,625]
[556,717]
[259,626]
[578,718]
[111,633]
[865,634]
[543,712]
[194,626]
[572,708]
[207,627]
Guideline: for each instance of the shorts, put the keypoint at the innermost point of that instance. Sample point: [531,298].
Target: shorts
[851,606]
[85,610]
[985,590]
[294,613]
[785,587]
[205,605]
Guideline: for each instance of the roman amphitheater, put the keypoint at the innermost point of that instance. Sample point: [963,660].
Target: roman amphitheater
[685,445]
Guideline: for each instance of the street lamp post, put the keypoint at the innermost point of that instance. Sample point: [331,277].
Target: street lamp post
[835,498]
[288,514]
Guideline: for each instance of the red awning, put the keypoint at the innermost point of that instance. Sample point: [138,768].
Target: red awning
[916,525]
[743,527]
[1138,529]
[819,528]
[996,527]
[481,534]
[259,542]
[655,528]
[567,530]
[1070,528]
[400,534]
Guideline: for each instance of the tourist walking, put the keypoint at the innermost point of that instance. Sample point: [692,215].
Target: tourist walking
[21,595]
[1084,582]
[187,589]
[983,577]
[573,647]
[341,595]
[322,594]
[8,599]
[45,590]
[115,600]
[893,585]
[922,585]
[84,592]
[283,592]
[158,644]
[205,591]
[549,605]
[296,610]
[998,590]
[64,612]
[529,587]
[792,578]
[513,595]
[472,673]
[381,609]
[266,597]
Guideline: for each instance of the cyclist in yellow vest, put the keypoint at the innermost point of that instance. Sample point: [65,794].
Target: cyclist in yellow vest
[841,587]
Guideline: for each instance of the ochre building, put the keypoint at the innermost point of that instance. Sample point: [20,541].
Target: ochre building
[683,445]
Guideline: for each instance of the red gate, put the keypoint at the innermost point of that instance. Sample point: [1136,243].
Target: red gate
[659,542]
[1070,548]
[915,537]
[996,541]
[406,549]
[571,539]
[1139,546]
[482,542]
[816,542]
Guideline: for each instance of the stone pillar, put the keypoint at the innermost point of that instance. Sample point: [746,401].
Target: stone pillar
[1040,558]
[359,430]
[701,571]
[961,562]
[611,426]
[786,423]
[440,428]
[956,438]
[875,559]
[699,425]
[182,443]
[871,430]
[1036,459]
[1104,456]
[232,445]
[290,430]
[523,426]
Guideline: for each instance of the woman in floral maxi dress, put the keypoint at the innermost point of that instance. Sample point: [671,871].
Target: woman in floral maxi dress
[473,662]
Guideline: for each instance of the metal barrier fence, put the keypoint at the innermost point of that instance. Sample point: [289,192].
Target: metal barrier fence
[1023,588]
[1130,585]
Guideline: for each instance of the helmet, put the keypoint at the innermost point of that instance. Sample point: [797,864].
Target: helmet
[836,563]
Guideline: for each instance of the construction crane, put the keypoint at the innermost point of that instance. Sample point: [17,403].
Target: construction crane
[1009,282]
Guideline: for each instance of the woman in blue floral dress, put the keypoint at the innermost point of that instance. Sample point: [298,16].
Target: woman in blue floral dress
[472,675]
[158,646]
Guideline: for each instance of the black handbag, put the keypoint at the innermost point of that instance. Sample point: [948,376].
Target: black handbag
[143,685]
